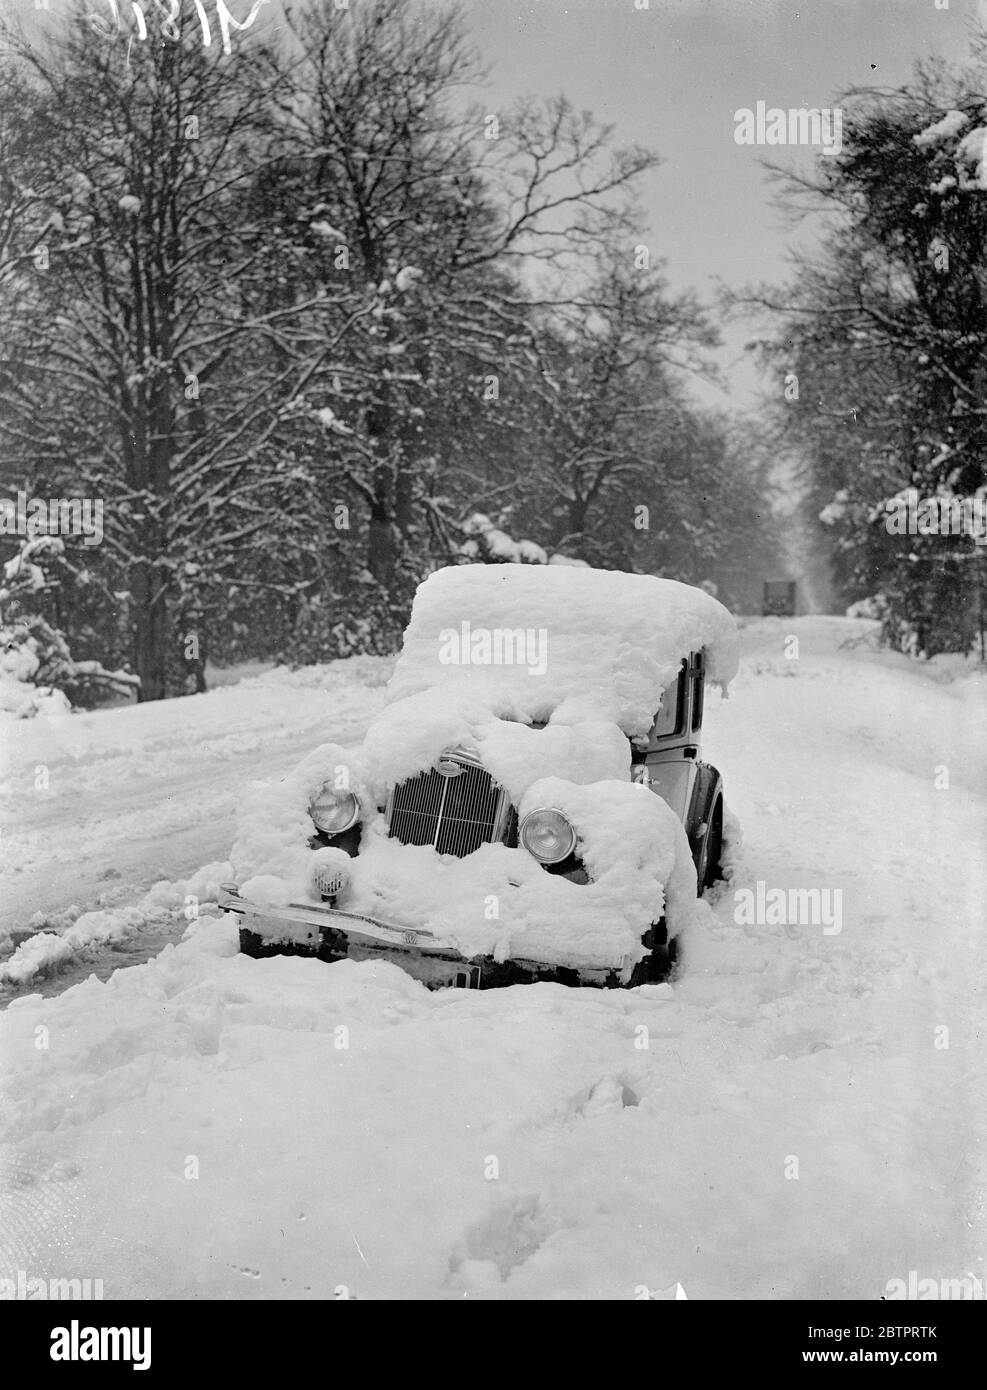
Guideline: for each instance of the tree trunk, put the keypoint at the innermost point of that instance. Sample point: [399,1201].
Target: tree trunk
[380,541]
[150,634]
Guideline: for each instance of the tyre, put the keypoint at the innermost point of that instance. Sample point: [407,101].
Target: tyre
[659,963]
[709,869]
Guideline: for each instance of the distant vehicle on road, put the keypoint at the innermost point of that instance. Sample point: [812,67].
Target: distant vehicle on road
[779,598]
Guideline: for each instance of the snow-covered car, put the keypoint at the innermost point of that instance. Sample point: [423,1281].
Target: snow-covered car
[530,804]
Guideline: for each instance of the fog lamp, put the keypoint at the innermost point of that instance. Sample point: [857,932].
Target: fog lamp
[330,881]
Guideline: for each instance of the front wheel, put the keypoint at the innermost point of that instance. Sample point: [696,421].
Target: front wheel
[659,963]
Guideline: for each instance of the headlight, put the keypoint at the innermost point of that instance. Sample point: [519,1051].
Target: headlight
[548,836]
[333,812]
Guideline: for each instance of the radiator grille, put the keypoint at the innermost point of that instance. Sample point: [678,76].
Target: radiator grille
[455,814]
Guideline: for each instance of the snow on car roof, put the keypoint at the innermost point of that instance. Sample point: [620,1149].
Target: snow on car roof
[522,639]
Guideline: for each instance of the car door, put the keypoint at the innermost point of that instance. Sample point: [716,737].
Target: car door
[672,754]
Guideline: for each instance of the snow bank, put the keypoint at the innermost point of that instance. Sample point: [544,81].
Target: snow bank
[47,950]
[19,663]
[342,673]
[23,701]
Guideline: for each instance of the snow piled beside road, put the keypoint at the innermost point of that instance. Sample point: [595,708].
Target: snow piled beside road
[784,1121]
[114,810]
[46,950]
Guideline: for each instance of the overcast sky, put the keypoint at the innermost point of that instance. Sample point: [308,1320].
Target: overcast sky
[671,77]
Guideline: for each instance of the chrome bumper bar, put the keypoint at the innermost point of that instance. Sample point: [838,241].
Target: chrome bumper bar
[355,925]
[302,923]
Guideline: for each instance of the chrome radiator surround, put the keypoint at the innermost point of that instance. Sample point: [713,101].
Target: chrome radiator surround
[453,812]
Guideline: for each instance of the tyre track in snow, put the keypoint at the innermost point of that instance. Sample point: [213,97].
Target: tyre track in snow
[574,1162]
[103,833]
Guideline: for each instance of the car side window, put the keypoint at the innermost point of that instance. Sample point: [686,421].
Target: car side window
[698,687]
[669,718]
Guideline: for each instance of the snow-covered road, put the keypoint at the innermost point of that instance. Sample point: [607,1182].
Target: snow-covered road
[800,1115]
[99,807]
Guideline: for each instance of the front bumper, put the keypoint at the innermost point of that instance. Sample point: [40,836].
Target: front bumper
[333,934]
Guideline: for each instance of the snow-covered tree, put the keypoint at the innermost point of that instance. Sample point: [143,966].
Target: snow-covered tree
[489,544]
[144,366]
[38,674]
[299,311]
[425,210]
[883,348]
